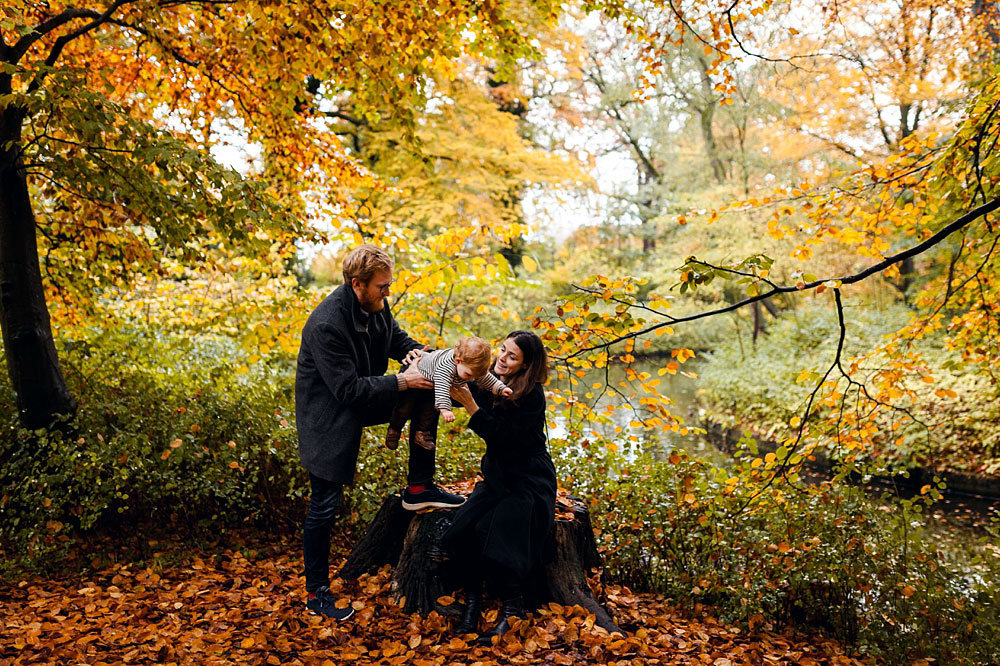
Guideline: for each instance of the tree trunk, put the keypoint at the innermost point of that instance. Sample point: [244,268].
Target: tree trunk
[411,542]
[759,326]
[565,578]
[770,307]
[907,271]
[32,363]
[706,116]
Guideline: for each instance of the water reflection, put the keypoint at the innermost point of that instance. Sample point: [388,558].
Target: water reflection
[955,523]
[621,424]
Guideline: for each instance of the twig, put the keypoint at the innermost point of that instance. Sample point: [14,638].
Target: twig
[933,240]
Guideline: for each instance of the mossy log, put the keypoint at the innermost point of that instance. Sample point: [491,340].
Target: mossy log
[411,543]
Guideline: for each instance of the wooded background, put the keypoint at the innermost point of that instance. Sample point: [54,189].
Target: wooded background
[788,206]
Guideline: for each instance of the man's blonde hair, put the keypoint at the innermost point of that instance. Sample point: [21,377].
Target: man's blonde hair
[364,261]
[475,353]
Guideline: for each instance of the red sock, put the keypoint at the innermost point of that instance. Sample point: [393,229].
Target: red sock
[416,488]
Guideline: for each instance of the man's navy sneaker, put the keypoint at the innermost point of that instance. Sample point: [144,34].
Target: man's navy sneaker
[431,496]
[323,602]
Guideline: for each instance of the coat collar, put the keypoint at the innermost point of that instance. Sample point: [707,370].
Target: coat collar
[358,317]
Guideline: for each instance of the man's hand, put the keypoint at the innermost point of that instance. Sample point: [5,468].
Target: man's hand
[447,415]
[413,356]
[414,379]
[506,392]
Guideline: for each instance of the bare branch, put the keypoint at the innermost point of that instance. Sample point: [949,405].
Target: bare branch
[45,27]
[779,470]
[341,115]
[844,148]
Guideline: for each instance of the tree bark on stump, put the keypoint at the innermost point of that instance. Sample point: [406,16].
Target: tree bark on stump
[411,543]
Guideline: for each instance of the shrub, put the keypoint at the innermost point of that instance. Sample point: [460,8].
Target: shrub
[767,550]
[167,430]
[171,432]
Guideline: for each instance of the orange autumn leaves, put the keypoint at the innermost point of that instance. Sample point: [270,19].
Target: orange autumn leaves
[246,606]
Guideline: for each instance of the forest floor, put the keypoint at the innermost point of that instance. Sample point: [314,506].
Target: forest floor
[244,603]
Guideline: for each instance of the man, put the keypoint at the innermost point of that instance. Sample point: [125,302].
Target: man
[340,387]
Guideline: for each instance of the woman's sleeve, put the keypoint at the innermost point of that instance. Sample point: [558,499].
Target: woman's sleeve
[513,430]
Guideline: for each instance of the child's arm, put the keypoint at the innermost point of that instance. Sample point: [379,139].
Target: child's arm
[444,375]
[492,383]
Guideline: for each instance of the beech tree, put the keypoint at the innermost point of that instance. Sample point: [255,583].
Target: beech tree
[920,196]
[111,113]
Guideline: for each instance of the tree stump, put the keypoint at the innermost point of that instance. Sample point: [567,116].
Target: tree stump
[411,543]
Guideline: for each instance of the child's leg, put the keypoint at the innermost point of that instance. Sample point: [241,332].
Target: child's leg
[400,414]
[424,423]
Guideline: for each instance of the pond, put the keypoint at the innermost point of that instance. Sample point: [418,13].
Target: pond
[620,426]
[956,522]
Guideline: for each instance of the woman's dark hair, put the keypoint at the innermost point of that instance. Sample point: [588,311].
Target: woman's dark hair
[534,364]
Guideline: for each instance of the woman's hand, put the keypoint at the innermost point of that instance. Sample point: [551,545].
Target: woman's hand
[463,396]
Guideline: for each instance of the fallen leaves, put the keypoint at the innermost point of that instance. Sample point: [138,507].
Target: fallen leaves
[225,608]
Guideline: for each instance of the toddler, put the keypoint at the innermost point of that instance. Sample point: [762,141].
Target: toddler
[470,359]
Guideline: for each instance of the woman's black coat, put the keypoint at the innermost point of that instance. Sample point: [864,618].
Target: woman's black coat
[507,518]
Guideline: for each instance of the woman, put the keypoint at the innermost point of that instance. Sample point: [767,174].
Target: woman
[503,527]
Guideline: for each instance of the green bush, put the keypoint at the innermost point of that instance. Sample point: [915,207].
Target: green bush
[767,550]
[167,431]
[170,431]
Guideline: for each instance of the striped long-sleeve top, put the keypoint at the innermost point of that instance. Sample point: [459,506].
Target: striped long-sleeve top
[439,366]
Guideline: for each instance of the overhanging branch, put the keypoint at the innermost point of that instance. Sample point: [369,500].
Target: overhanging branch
[99,20]
[47,26]
[914,251]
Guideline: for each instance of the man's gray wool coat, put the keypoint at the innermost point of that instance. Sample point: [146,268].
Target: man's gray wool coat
[340,381]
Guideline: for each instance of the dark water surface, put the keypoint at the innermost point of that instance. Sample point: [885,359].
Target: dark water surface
[957,522]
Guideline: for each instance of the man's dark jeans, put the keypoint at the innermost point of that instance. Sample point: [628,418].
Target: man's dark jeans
[325,497]
[324,500]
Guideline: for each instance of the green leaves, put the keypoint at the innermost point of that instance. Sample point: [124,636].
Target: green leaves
[106,180]
[750,271]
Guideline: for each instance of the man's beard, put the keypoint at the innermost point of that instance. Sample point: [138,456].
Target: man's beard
[373,306]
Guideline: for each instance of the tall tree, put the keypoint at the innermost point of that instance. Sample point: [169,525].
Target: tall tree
[110,114]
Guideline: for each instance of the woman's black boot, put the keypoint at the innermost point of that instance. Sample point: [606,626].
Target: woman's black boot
[511,608]
[470,618]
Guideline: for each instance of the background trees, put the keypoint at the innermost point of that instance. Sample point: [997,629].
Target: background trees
[113,116]
[901,186]
[179,180]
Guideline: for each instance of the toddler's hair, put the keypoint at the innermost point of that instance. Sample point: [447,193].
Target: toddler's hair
[475,353]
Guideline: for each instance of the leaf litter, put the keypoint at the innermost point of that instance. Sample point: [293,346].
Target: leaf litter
[221,607]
